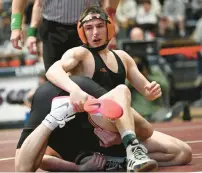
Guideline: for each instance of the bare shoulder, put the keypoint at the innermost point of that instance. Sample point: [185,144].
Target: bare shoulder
[77,53]
[123,55]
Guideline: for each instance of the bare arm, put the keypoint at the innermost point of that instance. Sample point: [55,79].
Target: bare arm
[52,163]
[29,157]
[36,14]
[135,77]
[18,6]
[110,3]
[57,73]
[110,6]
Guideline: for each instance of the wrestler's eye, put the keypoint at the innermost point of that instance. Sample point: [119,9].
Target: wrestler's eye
[88,28]
[100,26]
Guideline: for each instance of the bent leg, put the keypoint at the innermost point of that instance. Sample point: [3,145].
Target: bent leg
[137,160]
[167,150]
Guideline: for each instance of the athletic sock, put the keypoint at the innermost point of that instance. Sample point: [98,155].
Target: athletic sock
[129,137]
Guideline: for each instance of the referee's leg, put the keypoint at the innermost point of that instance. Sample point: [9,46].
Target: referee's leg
[57,39]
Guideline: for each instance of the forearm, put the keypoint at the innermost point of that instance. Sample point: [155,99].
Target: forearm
[18,6]
[110,6]
[60,78]
[36,14]
[110,3]
[32,150]
[51,163]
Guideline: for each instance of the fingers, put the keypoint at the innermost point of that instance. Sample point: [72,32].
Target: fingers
[16,37]
[78,107]
[150,86]
[32,48]
[102,137]
[101,143]
[99,161]
[15,43]
[31,44]
[155,88]
[157,91]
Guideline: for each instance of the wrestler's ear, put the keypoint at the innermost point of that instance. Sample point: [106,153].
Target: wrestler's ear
[110,28]
[81,33]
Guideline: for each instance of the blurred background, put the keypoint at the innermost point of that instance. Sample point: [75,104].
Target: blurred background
[163,37]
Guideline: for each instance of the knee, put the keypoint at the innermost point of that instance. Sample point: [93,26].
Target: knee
[186,154]
[124,90]
[183,155]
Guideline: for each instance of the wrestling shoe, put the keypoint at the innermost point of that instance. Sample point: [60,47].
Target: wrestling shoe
[112,163]
[103,107]
[137,159]
[61,112]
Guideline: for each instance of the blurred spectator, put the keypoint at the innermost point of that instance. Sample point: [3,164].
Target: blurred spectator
[198,31]
[146,17]
[126,12]
[164,31]
[5,5]
[136,34]
[174,10]
[5,30]
[155,6]
[197,9]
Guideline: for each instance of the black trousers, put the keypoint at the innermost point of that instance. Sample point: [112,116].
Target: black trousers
[57,39]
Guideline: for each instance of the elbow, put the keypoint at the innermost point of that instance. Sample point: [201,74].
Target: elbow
[51,72]
[22,167]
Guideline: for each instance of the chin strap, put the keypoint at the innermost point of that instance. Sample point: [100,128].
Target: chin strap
[96,49]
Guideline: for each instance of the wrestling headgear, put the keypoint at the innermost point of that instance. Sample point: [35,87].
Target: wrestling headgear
[100,14]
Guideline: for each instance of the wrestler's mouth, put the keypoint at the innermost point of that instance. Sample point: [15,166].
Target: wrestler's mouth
[96,40]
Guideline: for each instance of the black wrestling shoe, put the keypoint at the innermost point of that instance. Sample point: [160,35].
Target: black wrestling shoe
[112,163]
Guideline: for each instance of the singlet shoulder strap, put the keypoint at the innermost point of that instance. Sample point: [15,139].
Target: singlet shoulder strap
[119,61]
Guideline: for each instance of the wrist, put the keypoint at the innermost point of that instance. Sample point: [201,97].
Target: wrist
[73,89]
[16,21]
[32,31]
[50,122]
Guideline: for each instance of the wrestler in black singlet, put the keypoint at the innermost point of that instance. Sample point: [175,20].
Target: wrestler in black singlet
[77,136]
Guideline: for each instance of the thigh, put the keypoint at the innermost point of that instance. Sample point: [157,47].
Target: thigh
[42,99]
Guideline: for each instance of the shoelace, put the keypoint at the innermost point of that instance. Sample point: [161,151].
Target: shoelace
[139,152]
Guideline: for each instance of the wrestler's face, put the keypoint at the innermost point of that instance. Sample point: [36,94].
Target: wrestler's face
[96,32]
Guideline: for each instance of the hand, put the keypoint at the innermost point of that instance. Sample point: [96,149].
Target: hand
[96,163]
[16,36]
[153,90]
[107,138]
[78,99]
[31,44]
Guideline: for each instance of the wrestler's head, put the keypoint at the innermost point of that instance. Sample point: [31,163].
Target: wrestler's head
[95,27]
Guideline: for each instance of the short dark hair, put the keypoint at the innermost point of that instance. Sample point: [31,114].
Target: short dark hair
[92,10]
